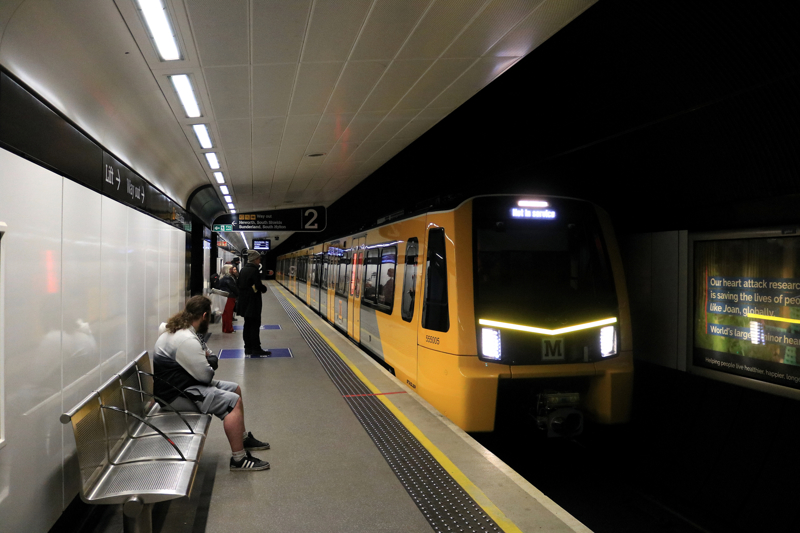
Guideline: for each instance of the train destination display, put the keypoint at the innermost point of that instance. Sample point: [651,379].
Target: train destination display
[309,219]
[747,308]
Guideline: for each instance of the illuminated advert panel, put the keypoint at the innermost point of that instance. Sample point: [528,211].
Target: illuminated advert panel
[746,309]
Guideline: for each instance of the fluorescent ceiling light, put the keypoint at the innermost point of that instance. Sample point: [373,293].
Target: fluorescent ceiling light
[183,86]
[211,157]
[230,206]
[155,16]
[201,132]
[532,203]
[224,189]
[233,211]
[243,237]
[220,177]
[228,198]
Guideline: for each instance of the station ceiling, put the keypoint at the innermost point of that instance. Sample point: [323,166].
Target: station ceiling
[303,99]
[670,115]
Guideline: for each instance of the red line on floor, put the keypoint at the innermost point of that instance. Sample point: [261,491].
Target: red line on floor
[379,394]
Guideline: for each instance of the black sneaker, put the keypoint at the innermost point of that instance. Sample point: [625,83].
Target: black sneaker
[251,443]
[260,353]
[248,464]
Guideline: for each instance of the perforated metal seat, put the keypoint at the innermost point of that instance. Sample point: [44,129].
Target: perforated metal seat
[152,482]
[119,467]
[172,425]
[137,397]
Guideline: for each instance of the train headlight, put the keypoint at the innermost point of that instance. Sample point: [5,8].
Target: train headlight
[608,341]
[490,343]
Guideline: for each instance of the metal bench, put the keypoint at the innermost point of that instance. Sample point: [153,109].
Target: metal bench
[130,450]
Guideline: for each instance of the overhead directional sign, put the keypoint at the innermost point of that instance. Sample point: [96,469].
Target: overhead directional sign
[309,219]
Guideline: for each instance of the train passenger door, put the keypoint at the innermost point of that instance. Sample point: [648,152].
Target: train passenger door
[323,287]
[334,258]
[342,294]
[354,309]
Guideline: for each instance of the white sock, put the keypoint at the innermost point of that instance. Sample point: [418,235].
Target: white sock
[244,436]
[238,456]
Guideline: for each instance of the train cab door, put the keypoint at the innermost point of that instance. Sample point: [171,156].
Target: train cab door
[354,309]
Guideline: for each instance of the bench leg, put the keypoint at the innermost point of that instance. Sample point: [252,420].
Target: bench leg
[137,517]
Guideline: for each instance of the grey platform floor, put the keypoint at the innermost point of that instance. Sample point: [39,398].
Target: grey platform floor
[326,474]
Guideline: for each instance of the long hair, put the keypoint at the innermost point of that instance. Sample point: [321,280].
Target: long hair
[226,270]
[195,307]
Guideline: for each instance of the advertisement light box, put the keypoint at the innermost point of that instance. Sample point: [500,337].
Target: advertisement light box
[747,308]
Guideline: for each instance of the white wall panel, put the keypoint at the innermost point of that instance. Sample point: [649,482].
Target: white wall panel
[151,230]
[177,273]
[163,272]
[30,204]
[136,285]
[86,281]
[81,307]
[112,331]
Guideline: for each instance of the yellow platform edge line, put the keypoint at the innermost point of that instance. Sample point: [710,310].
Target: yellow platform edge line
[477,494]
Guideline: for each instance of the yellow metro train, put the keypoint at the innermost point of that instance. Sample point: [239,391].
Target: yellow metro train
[501,300]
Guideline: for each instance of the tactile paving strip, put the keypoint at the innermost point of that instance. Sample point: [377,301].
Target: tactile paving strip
[443,502]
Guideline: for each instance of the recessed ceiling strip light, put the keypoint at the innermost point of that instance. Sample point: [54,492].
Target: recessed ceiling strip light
[224,189]
[155,16]
[228,198]
[230,206]
[211,157]
[220,177]
[201,132]
[183,86]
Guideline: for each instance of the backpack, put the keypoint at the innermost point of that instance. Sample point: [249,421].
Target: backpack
[215,281]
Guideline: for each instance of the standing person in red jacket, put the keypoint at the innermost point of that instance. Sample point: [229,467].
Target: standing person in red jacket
[227,283]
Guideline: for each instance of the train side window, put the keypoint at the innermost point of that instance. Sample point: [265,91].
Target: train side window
[359,267]
[315,270]
[435,310]
[409,279]
[323,281]
[371,275]
[386,273]
[344,270]
[351,260]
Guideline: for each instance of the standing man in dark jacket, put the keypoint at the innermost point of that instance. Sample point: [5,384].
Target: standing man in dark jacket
[250,290]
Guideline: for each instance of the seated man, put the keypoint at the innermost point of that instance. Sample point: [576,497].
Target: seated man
[180,359]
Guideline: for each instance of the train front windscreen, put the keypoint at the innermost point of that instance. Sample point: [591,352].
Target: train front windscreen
[541,266]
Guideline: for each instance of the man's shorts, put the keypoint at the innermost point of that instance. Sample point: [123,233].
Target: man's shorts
[218,398]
